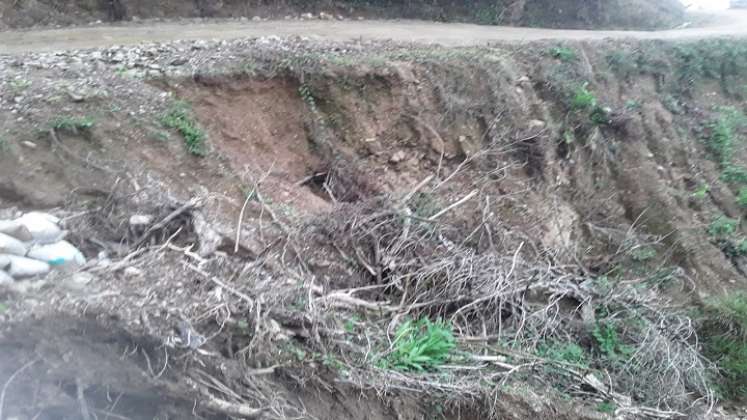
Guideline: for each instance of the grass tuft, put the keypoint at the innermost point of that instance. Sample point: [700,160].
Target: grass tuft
[421,346]
[178,117]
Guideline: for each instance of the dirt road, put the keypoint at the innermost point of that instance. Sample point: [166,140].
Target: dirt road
[727,23]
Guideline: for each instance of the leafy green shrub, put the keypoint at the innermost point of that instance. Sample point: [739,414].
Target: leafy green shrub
[606,407]
[599,116]
[722,135]
[178,117]
[564,352]
[421,346]
[734,175]
[609,342]
[75,124]
[583,98]
[702,192]
[742,197]
[724,333]
[564,54]
[723,226]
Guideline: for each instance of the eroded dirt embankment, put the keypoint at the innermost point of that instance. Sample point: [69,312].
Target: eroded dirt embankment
[558,206]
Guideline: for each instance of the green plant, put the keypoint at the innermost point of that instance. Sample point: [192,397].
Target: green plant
[564,352]
[643,254]
[583,98]
[421,346]
[607,407]
[724,333]
[609,342]
[564,54]
[632,105]
[702,192]
[178,117]
[73,123]
[599,116]
[723,226]
[734,174]
[722,134]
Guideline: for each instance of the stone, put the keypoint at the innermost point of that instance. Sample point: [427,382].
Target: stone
[398,156]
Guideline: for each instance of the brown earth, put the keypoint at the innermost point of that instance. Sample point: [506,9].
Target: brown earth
[320,130]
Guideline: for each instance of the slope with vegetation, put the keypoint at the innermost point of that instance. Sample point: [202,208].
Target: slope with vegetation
[544,231]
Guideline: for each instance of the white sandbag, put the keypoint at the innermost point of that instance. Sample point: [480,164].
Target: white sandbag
[15,229]
[21,267]
[46,216]
[42,226]
[4,261]
[61,253]
[5,278]
[11,245]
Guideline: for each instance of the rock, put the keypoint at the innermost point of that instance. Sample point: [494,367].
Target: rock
[256,19]
[132,272]
[11,246]
[4,262]
[179,61]
[141,220]
[398,156]
[29,144]
[5,278]
[523,80]
[307,16]
[76,97]
[21,267]
[326,16]
[536,124]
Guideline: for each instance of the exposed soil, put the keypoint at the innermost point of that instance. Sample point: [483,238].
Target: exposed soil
[326,158]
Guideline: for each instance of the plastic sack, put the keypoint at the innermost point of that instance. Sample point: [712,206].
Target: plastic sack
[11,245]
[5,278]
[21,267]
[15,229]
[42,227]
[61,253]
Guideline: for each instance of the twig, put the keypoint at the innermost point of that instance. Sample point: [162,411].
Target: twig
[84,412]
[232,409]
[191,204]
[243,296]
[10,380]
[454,205]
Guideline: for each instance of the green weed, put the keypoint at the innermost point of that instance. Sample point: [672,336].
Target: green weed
[564,352]
[583,98]
[178,117]
[564,54]
[643,254]
[742,197]
[421,346]
[734,175]
[722,226]
[607,407]
[609,342]
[724,332]
[73,123]
[632,105]
[701,193]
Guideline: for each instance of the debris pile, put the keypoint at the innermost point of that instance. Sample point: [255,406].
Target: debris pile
[33,245]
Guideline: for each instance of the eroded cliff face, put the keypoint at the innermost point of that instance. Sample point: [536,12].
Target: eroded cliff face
[544,215]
